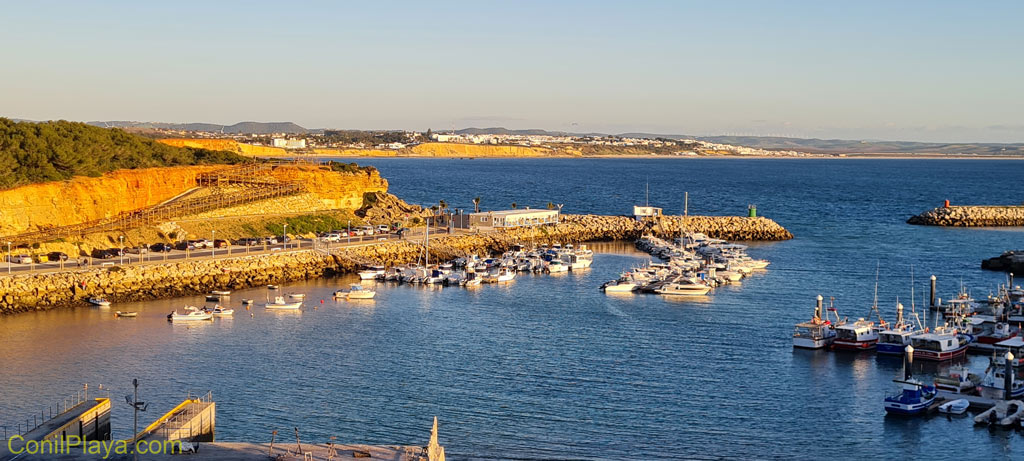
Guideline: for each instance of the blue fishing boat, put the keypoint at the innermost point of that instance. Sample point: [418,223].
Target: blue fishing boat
[894,337]
[914,397]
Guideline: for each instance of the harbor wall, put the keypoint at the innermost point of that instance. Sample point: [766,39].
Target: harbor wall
[153,281]
[971,216]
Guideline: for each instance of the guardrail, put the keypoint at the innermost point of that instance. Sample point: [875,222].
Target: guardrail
[55,408]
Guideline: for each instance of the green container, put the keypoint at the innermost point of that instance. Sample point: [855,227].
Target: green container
[752,211]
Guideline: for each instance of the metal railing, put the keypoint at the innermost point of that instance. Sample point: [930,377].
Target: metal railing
[55,408]
[186,416]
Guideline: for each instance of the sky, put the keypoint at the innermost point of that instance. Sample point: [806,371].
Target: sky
[919,71]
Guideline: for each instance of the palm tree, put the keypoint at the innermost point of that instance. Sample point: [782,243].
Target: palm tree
[551,205]
[476,205]
[443,205]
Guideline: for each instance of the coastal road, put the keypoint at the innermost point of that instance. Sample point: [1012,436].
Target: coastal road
[72,264]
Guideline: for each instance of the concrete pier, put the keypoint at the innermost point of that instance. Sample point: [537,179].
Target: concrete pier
[193,420]
[86,420]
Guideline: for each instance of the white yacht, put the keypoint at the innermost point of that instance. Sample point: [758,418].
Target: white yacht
[372,272]
[684,287]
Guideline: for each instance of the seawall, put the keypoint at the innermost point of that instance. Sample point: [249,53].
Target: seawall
[136,283]
[971,216]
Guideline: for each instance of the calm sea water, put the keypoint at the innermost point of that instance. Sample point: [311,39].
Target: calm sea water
[549,367]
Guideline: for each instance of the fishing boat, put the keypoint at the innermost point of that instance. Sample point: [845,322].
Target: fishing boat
[954,407]
[358,292]
[126,314]
[993,384]
[102,302]
[958,380]
[895,337]
[856,336]
[941,344]
[219,311]
[192,313]
[280,303]
[213,298]
[684,287]
[987,335]
[914,397]
[1014,345]
[371,272]
[816,333]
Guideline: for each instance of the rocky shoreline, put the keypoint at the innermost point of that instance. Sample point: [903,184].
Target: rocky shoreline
[1010,261]
[971,216]
[135,283]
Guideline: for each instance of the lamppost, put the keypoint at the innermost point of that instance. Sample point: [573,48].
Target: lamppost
[284,236]
[213,238]
[121,239]
[8,258]
[137,406]
[349,231]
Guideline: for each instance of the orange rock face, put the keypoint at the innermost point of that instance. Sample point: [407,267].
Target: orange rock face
[85,199]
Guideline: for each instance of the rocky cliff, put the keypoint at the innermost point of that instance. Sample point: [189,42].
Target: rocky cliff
[971,216]
[84,199]
[229,145]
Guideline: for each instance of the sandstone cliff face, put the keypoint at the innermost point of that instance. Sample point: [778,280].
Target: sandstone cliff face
[84,199]
[229,145]
[335,190]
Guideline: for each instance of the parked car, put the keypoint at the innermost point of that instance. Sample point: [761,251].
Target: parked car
[383,229]
[219,243]
[41,258]
[199,244]
[161,247]
[185,245]
[331,237]
[270,240]
[100,253]
[139,250]
[367,230]
[57,256]
[20,259]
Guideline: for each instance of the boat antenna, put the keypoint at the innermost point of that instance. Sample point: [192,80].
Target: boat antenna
[912,289]
[874,303]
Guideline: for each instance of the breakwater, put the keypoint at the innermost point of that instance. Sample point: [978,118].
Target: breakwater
[1010,261]
[971,216]
[136,283]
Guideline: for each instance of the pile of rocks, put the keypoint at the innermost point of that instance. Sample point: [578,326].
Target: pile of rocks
[971,216]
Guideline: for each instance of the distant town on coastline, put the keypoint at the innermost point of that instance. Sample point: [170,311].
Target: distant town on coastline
[299,140]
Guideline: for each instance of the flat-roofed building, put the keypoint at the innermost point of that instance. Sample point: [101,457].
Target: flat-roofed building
[513,218]
[641,212]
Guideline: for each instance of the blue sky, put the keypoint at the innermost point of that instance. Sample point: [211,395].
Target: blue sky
[931,71]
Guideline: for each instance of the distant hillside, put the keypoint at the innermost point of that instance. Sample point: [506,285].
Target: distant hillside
[238,128]
[51,151]
[823,146]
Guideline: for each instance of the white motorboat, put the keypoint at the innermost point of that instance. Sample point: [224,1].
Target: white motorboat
[221,292]
[126,314]
[297,296]
[684,287]
[954,407]
[618,286]
[505,275]
[372,272]
[192,313]
[102,302]
[556,265]
[219,311]
[358,292]
[280,303]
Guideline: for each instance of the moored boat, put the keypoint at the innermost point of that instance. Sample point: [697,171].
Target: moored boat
[894,338]
[280,303]
[944,343]
[126,314]
[220,311]
[954,407]
[914,397]
[192,313]
[102,302]
[816,333]
[684,287]
[856,336]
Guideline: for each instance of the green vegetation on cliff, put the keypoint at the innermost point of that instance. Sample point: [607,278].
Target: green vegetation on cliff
[53,151]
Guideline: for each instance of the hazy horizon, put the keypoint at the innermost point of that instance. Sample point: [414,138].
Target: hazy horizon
[928,71]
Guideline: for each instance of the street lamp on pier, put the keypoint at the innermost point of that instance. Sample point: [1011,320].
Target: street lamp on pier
[9,258]
[284,236]
[121,252]
[213,241]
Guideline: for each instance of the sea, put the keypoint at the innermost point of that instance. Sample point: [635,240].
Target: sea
[551,368]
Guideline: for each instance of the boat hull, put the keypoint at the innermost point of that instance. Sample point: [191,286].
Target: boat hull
[905,409]
[890,348]
[940,356]
[842,345]
[810,343]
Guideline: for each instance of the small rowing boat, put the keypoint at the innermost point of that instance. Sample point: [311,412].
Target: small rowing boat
[126,314]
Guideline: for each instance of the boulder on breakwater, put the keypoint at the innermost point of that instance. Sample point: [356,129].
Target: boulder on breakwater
[1010,261]
[971,216]
[152,281]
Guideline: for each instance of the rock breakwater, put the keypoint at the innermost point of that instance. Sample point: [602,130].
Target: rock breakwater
[136,283]
[971,216]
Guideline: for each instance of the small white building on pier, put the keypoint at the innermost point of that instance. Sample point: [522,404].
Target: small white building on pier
[513,218]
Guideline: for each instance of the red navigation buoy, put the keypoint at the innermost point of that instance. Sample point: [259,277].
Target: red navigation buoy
[321,301]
